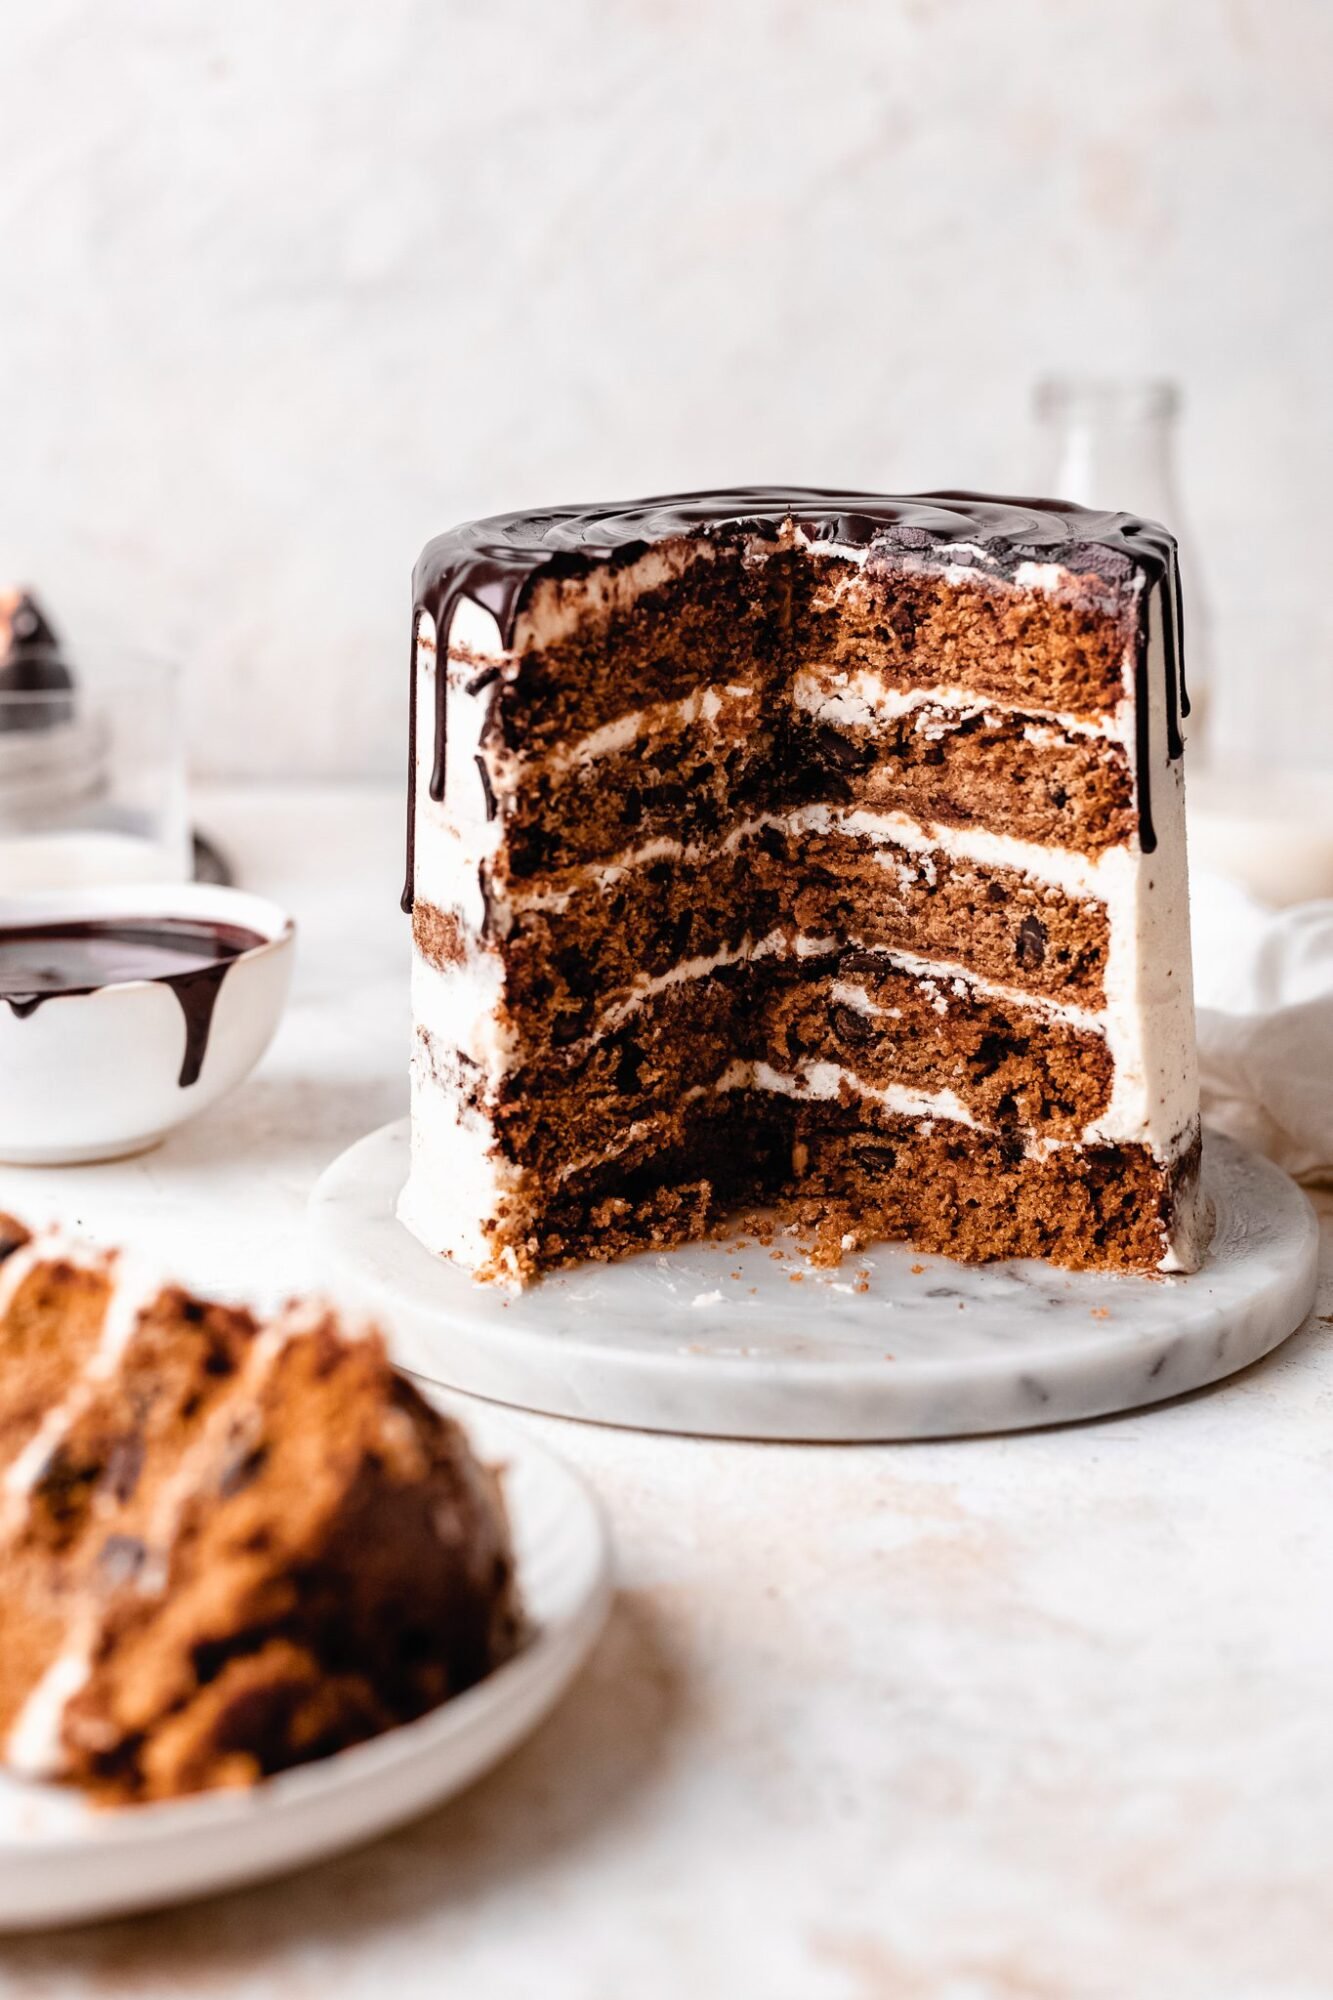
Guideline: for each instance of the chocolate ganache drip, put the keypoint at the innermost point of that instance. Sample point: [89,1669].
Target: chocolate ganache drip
[495,562]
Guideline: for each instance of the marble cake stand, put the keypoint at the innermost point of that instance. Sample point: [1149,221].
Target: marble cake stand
[722,1342]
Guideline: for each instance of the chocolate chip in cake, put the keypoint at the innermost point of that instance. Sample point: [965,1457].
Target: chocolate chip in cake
[858,959]
[219,1359]
[843,752]
[1031,943]
[850,1025]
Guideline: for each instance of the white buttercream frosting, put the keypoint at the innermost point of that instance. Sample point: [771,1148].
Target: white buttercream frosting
[858,696]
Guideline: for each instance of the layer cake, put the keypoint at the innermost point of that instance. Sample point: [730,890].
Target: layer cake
[817,851]
[226,1546]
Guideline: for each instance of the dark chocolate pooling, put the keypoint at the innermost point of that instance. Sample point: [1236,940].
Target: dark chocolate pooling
[495,562]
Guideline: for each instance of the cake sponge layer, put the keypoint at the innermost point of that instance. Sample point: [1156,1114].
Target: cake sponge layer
[852,1173]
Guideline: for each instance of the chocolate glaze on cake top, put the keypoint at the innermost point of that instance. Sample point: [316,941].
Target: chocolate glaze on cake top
[496,560]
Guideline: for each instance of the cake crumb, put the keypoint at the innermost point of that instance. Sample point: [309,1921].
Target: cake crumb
[917,1269]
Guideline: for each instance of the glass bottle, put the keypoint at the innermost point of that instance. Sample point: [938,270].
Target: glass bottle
[1111,444]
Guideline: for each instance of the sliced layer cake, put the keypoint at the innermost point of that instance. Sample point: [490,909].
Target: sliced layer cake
[821,851]
[226,1546]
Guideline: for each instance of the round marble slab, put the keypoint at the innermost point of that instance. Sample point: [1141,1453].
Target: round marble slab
[725,1342]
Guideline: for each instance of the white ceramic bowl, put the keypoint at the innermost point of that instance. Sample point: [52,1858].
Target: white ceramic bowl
[91,1076]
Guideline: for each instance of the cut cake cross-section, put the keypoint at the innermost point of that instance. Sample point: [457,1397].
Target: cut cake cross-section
[820,851]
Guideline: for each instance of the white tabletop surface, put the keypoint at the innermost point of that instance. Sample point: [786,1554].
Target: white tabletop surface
[1014,1718]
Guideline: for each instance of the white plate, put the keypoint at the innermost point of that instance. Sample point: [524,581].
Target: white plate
[721,1343]
[63,1861]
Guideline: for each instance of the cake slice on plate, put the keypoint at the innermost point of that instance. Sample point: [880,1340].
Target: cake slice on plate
[226,1546]
[825,851]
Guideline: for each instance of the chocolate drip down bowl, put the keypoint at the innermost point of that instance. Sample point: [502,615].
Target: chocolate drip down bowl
[126,1011]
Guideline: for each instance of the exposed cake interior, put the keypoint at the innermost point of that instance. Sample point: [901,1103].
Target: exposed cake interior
[226,1546]
[756,865]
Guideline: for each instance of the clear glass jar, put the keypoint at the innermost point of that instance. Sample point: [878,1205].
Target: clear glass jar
[92,779]
[1111,444]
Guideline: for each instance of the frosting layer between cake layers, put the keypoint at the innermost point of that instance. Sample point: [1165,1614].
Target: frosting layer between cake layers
[812,855]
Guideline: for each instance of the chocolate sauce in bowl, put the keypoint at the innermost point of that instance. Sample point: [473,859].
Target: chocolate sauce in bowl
[191,955]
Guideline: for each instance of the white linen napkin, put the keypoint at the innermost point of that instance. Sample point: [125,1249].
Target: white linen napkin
[1263,987]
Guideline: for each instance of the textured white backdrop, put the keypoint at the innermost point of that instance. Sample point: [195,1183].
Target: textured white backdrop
[288,285]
